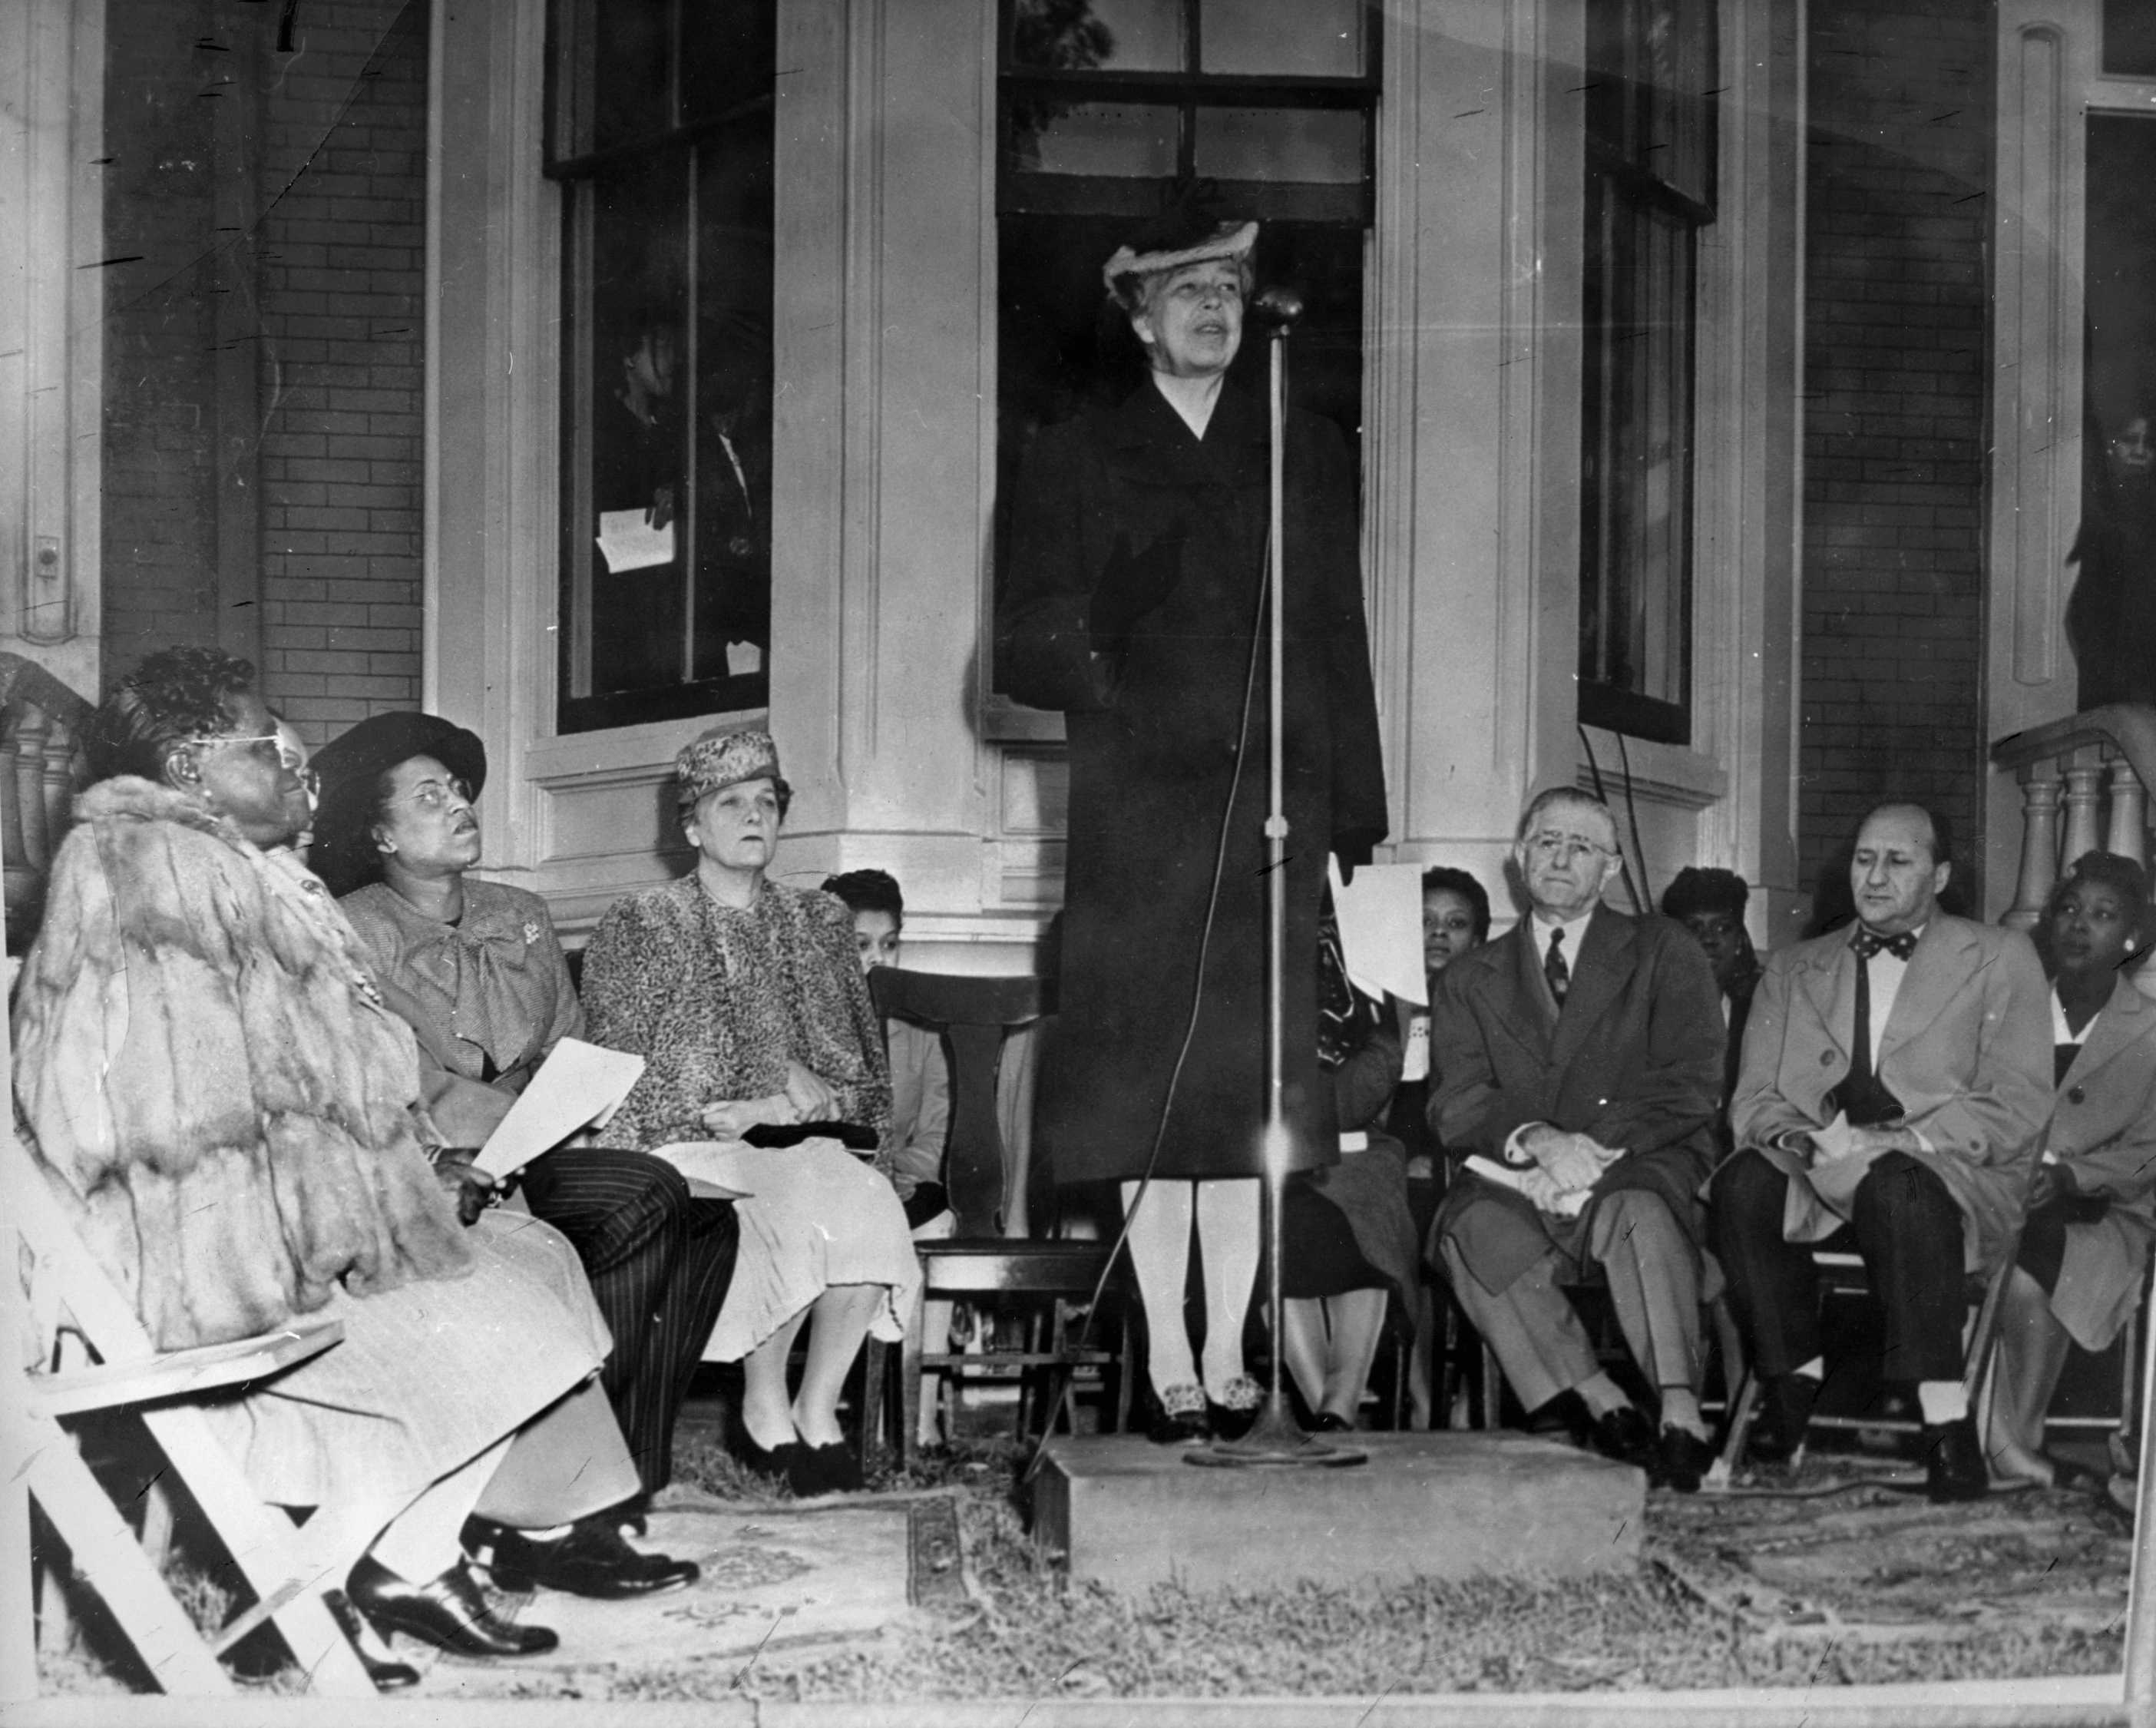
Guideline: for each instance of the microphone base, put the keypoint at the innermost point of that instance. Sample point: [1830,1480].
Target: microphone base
[1275,1442]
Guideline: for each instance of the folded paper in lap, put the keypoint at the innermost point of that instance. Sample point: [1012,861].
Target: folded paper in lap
[627,540]
[577,1085]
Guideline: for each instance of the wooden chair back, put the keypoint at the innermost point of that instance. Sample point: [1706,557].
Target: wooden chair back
[975,1016]
[42,768]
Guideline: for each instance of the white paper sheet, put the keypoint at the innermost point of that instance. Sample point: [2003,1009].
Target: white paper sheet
[1380,914]
[579,1084]
[629,541]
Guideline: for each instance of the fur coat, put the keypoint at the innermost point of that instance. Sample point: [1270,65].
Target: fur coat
[205,1072]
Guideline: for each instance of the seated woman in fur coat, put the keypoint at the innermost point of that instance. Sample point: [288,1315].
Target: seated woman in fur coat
[207,1075]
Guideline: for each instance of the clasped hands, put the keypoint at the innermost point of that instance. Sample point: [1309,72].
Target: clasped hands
[1573,1162]
[807,1098]
[1839,1139]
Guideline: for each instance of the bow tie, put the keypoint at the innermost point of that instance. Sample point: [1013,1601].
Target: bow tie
[1866,945]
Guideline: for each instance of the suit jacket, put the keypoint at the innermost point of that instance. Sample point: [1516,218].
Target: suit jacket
[2103,1125]
[1634,1060]
[1967,1050]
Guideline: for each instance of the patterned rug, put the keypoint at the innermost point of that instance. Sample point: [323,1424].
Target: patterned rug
[781,1584]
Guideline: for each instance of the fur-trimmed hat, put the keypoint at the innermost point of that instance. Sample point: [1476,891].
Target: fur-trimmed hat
[1170,244]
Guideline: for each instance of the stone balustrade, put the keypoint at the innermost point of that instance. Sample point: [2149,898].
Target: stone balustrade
[2085,783]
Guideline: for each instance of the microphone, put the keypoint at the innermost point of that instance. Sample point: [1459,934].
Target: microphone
[1279,307]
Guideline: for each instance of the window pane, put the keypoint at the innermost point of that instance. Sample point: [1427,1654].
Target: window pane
[1311,38]
[730,506]
[627,611]
[1130,140]
[2129,38]
[1323,145]
[1084,35]
[631,95]
[1676,69]
[728,50]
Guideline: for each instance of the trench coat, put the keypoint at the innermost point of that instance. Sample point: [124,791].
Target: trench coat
[2103,1127]
[1966,1049]
[1134,604]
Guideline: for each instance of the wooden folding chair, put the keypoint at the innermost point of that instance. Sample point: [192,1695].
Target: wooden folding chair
[68,1296]
[979,1263]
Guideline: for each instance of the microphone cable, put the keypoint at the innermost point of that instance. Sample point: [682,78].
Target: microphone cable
[1258,638]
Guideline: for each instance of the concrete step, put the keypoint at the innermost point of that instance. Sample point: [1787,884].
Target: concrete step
[1128,1514]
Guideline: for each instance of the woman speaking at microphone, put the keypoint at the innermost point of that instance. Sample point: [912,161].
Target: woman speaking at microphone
[1135,604]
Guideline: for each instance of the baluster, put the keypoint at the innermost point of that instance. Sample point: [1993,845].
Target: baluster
[21,876]
[64,773]
[2127,832]
[2083,800]
[2039,848]
[31,735]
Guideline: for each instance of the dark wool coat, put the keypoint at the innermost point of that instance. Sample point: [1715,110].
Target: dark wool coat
[1133,603]
[228,1115]
[1634,1060]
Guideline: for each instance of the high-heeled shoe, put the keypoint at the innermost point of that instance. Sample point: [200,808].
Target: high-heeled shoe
[777,1462]
[1235,1411]
[1180,1420]
[826,1469]
[448,1613]
[388,1673]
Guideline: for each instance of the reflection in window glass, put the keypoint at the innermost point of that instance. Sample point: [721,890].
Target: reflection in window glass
[1083,35]
[1322,145]
[1311,38]
[1126,139]
[665,490]
[2129,38]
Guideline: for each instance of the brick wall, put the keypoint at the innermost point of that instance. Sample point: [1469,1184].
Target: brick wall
[1897,211]
[320,484]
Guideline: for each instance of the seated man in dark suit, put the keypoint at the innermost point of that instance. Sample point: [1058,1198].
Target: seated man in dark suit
[1579,1063]
[1895,1078]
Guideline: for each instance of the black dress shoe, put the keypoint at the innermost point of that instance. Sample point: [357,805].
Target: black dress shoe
[1681,1460]
[1785,1413]
[448,1612]
[1626,1436]
[388,1674]
[773,1461]
[1179,1417]
[593,1559]
[826,1469]
[1953,1462]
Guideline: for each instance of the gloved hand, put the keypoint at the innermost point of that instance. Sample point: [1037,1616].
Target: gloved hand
[470,1191]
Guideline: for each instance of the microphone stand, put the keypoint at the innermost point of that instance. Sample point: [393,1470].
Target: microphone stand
[1276,1440]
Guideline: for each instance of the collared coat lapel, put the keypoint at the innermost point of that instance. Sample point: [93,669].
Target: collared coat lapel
[1525,1011]
[2118,1030]
[1828,978]
[1945,960]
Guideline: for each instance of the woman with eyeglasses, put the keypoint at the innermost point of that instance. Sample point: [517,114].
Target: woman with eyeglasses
[245,1144]
[475,967]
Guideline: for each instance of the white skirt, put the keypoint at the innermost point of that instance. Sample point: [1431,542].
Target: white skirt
[811,1215]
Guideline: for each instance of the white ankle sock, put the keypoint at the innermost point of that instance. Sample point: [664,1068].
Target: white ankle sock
[1814,1370]
[1601,1394]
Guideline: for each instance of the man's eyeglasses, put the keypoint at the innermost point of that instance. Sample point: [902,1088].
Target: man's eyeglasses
[434,795]
[1563,848]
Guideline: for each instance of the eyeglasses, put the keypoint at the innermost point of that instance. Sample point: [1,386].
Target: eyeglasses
[1563,848]
[287,758]
[434,796]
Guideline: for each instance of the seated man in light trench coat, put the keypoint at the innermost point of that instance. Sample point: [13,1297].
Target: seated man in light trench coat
[1894,1079]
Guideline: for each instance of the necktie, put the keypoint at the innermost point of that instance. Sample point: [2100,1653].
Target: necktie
[1557,974]
[1861,1094]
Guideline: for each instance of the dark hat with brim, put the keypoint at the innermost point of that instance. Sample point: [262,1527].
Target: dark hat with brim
[352,764]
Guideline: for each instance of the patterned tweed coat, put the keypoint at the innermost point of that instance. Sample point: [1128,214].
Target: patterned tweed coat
[717,999]
[216,1095]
